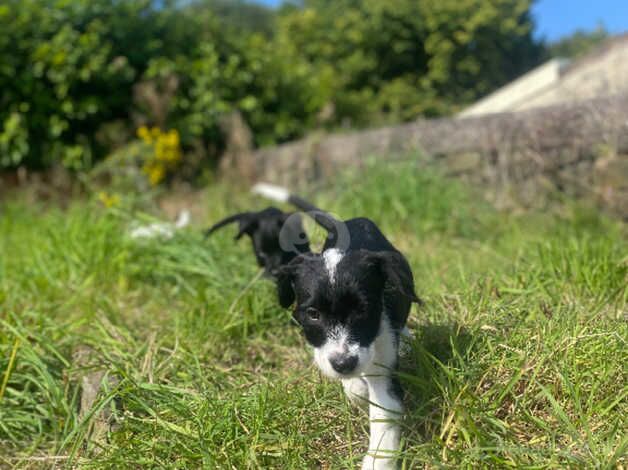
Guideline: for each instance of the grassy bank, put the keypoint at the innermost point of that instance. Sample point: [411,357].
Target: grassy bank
[519,358]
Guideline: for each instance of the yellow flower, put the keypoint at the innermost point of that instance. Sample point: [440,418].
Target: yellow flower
[109,200]
[144,134]
[155,172]
[166,147]
[156,175]
[172,137]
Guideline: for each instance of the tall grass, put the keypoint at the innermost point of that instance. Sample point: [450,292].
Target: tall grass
[518,358]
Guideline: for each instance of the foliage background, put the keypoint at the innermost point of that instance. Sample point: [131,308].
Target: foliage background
[77,77]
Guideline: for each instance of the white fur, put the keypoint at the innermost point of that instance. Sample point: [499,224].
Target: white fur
[271,191]
[384,412]
[332,257]
[338,343]
[370,383]
[356,389]
[385,349]
[384,408]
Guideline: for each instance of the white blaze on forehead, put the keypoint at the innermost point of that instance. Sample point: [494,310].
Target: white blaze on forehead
[332,257]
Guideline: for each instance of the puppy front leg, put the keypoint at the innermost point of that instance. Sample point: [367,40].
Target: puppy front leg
[384,412]
[356,390]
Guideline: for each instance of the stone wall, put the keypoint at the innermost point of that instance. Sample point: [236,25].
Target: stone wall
[580,149]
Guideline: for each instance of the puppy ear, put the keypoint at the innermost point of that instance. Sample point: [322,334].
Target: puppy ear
[397,274]
[398,285]
[286,276]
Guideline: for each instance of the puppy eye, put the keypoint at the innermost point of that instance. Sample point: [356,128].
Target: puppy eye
[313,314]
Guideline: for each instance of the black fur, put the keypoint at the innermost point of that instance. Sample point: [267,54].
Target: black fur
[263,228]
[371,279]
[352,301]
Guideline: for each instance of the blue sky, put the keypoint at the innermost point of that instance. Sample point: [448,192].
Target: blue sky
[557,18]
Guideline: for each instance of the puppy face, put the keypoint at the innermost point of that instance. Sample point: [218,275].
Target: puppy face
[339,304]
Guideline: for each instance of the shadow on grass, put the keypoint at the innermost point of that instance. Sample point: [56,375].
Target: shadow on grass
[427,373]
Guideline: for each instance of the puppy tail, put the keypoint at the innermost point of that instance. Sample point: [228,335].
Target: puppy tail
[272,192]
[279,194]
[225,221]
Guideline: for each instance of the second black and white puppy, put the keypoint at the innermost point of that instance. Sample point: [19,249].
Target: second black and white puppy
[352,301]
[267,229]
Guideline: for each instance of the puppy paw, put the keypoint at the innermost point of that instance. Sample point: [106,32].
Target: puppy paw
[378,463]
[357,390]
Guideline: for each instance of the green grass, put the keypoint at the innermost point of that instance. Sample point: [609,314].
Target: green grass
[519,358]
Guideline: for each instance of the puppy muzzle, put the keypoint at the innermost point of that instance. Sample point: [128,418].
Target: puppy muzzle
[344,363]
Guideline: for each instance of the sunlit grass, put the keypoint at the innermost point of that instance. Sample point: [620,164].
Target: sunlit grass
[519,357]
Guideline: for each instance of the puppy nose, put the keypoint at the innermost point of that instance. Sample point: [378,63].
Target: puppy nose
[343,363]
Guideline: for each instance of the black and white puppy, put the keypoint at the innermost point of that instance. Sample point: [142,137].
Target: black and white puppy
[352,301]
[267,229]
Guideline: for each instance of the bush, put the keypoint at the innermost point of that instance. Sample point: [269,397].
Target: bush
[60,79]
[75,72]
